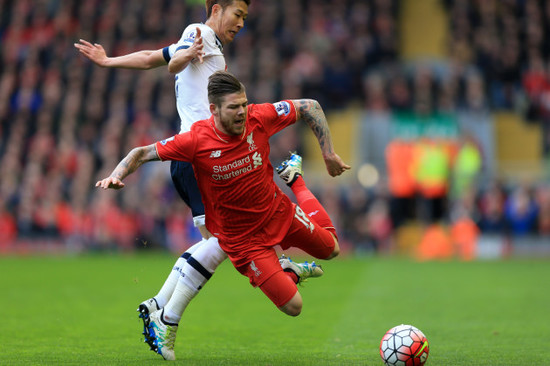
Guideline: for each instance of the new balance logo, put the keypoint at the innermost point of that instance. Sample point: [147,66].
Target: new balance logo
[216,154]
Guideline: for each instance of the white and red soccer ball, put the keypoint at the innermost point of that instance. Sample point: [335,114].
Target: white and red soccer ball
[404,345]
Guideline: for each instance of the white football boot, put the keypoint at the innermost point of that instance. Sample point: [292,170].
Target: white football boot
[145,309]
[163,336]
[302,270]
[290,169]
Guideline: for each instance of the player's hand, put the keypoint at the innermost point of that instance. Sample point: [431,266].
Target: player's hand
[110,182]
[335,165]
[197,46]
[94,52]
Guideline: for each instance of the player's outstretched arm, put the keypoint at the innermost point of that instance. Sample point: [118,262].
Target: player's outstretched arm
[135,158]
[142,60]
[184,56]
[311,112]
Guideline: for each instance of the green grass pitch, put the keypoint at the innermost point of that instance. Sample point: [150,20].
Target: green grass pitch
[81,310]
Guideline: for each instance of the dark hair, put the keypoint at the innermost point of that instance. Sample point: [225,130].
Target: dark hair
[220,84]
[223,3]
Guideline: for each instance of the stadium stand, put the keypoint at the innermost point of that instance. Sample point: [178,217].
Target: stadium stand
[65,122]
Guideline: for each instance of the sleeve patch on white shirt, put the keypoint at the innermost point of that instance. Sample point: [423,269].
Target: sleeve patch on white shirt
[190,37]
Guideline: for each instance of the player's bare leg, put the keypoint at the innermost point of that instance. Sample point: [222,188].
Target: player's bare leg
[294,306]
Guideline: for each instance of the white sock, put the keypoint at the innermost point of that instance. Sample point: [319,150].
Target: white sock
[203,263]
[167,289]
[194,247]
[194,275]
[181,297]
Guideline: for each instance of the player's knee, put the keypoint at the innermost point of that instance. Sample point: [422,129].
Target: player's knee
[292,310]
[294,306]
[334,253]
[336,250]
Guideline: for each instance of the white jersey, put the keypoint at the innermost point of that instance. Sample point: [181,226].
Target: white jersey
[192,83]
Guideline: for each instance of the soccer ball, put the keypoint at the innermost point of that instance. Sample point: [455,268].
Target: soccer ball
[404,345]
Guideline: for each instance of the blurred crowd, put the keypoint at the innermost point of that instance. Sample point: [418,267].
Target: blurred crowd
[436,188]
[508,42]
[65,123]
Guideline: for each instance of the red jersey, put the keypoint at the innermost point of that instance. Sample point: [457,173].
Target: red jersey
[235,176]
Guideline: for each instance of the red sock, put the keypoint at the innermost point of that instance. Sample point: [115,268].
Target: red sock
[311,206]
[293,276]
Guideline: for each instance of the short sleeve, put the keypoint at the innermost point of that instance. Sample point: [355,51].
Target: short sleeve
[186,40]
[278,115]
[211,45]
[179,147]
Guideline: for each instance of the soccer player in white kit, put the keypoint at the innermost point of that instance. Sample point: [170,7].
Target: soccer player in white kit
[196,56]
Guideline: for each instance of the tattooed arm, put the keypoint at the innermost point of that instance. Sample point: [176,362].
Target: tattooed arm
[310,111]
[128,165]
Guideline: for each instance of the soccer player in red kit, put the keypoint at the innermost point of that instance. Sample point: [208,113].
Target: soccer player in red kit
[246,210]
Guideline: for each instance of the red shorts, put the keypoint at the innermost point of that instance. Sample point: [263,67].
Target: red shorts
[264,265]
[267,274]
